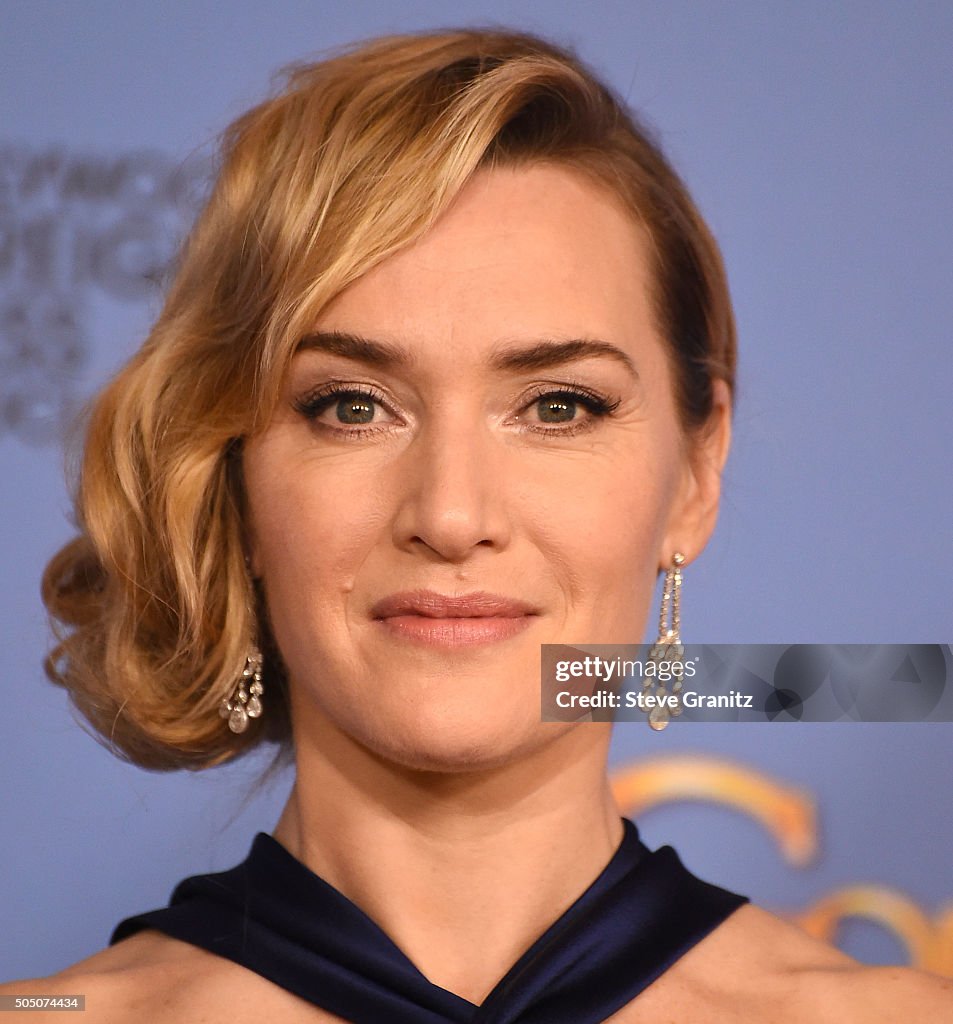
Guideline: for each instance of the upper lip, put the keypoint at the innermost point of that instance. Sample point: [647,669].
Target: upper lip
[429,603]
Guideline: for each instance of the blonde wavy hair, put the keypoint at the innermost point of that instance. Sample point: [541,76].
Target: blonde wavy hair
[354,158]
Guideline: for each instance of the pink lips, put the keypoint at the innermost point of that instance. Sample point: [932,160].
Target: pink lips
[428,617]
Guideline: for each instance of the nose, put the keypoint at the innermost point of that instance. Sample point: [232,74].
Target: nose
[453,487]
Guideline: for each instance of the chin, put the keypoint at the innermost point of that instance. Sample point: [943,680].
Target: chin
[470,746]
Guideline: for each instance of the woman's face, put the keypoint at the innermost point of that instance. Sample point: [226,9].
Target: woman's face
[488,410]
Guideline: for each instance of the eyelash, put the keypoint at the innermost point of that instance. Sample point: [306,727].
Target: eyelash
[313,404]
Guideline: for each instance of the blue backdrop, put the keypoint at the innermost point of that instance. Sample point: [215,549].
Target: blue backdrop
[817,140]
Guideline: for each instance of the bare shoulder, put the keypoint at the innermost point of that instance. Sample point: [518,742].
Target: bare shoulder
[756,966]
[825,984]
[153,977]
[878,995]
[139,978]
[861,991]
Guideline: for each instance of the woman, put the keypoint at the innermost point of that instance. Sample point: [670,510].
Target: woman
[445,374]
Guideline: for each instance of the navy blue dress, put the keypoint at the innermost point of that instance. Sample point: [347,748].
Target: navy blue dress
[278,918]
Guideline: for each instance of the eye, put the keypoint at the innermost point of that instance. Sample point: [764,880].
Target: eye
[348,405]
[354,411]
[356,408]
[560,407]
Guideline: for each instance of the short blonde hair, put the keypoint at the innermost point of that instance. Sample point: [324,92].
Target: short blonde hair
[352,160]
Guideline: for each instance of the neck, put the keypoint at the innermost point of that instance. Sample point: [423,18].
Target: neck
[449,863]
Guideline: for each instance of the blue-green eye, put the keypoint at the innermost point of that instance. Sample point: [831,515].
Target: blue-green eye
[560,407]
[352,406]
[358,409]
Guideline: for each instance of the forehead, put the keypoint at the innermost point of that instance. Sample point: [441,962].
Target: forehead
[530,251]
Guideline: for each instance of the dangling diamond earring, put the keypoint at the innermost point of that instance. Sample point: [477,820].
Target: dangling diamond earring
[668,648]
[245,703]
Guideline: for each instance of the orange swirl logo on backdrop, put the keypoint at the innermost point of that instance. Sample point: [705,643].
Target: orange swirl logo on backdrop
[788,814]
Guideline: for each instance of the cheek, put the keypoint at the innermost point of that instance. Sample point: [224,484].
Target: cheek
[601,524]
[604,512]
[311,530]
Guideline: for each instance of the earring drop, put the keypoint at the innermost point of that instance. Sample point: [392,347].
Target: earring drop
[668,649]
[245,701]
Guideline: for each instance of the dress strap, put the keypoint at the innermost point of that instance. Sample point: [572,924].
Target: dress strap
[276,917]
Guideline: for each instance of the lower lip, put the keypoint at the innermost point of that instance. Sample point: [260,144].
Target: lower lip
[457,632]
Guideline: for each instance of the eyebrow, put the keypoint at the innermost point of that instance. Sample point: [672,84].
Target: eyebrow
[539,355]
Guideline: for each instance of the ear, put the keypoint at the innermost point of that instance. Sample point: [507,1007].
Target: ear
[695,508]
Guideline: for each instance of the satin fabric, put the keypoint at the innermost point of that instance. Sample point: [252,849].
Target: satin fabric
[276,917]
